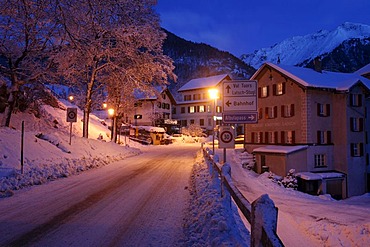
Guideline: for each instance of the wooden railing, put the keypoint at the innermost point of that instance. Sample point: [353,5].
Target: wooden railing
[261,214]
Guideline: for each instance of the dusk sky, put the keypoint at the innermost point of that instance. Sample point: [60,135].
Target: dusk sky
[242,26]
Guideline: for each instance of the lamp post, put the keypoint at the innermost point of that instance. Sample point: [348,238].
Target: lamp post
[111,113]
[213,94]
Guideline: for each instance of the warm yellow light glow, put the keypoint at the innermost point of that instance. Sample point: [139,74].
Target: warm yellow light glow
[213,93]
[70,98]
[111,111]
[105,105]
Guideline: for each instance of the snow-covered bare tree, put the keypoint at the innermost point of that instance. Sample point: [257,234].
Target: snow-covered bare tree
[113,43]
[26,30]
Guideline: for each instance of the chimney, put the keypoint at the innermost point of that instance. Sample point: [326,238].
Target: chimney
[317,64]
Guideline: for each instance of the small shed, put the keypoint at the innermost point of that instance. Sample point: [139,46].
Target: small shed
[317,183]
[280,159]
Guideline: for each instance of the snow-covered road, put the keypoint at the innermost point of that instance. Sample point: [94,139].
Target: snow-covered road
[116,205]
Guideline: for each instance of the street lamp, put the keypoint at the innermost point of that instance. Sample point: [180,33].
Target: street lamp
[213,94]
[111,114]
[105,105]
[71,98]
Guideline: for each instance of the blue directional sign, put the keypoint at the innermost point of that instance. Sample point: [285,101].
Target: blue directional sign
[239,118]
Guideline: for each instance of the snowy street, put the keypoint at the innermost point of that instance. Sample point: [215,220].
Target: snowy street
[116,205]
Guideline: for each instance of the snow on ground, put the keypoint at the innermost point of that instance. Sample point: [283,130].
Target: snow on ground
[302,218]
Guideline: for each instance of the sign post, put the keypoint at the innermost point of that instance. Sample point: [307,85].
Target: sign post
[240,102]
[71,118]
[227,139]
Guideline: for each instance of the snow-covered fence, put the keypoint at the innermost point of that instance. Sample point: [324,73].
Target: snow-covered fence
[261,214]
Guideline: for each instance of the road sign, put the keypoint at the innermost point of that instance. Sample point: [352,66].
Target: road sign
[71,115]
[226,139]
[239,96]
[240,118]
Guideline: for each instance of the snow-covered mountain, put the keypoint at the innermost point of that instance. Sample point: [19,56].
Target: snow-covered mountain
[301,50]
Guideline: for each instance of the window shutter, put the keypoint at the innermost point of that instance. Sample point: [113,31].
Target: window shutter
[351,125]
[283,111]
[266,112]
[274,89]
[276,136]
[275,111]
[352,150]
[318,109]
[327,110]
[293,137]
[318,137]
[282,137]
[328,137]
[260,113]
[361,149]
[284,87]
[361,124]
[268,91]
[259,92]
[359,100]
[266,137]
[292,110]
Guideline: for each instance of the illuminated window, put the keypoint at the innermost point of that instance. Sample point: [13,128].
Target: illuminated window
[201,108]
[191,109]
[263,92]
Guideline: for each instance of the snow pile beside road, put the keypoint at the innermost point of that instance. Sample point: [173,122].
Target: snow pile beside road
[47,153]
[212,221]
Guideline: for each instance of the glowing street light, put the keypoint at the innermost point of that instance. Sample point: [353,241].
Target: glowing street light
[71,98]
[111,112]
[105,105]
[213,94]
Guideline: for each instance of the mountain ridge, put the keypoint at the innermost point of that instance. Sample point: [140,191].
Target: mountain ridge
[302,50]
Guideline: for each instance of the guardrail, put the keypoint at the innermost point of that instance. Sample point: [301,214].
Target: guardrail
[261,214]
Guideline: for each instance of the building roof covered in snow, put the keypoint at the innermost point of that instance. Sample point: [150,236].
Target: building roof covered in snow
[279,149]
[314,79]
[205,82]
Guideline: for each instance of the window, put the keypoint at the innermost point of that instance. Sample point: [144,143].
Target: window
[201,108]
[287,137]
[287,110]
[208,108]
[278,89]
[191,109]
[324,137]
[209,121]
[357,149]
[271,137]
[182,109]
[263,92]
[192,121]
[201,122]
[173,110]
[323,110]
[163,96]
[260,137]
[218,109]
[159,104]
[320,160]
[164,106]
[356,124]
[196,96]
[271,112]
[355,100]
[187,97]
[260,113]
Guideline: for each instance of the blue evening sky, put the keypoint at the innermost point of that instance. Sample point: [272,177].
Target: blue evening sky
[242,26]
